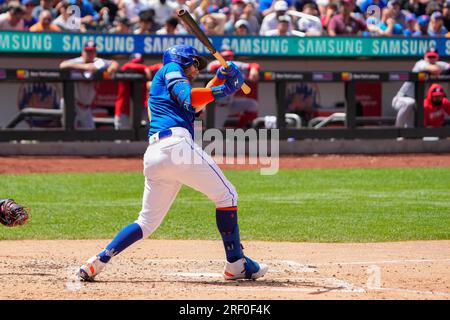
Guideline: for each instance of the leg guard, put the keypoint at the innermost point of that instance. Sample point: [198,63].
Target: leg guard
[226,219]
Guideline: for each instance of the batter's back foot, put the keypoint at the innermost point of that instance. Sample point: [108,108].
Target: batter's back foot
[244,268]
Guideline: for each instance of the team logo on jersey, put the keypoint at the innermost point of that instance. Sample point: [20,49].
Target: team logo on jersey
[40,95]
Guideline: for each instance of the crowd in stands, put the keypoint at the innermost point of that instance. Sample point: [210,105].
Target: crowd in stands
[410,18]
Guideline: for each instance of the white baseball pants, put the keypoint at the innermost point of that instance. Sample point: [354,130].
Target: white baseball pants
[168,164]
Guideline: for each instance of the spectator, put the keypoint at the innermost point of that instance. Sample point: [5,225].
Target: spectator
[330,11]
[146,24]
[89,17]
[367,3]
[171,27]
[387,26]
[106,8]
[163,10]
[121,25]
[13,18]
[432,6]
[311,27]
[396,12]
[122,105]
[28,18]
[66,20]
[344,23]
[436,27]
[242,110]
[132,8]
[45,5]
[422,26]
[411,25]
[270,21]
[435,106]
[85,90]
[267,7]
[213,23]
[242,28]
[418,7]
[404,100]
[237,10]
[283,27]
[446,14]
[45,23]
[249,14]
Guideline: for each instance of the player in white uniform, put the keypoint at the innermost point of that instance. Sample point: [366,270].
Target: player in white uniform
[85,91]
[173,159]
[404,101]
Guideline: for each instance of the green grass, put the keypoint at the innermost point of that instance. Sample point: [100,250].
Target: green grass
[320,205]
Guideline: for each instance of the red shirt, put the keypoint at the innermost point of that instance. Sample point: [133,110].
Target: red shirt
[122,105]
[352,27]
[434,115]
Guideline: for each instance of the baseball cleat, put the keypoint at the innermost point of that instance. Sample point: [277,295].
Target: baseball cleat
[92,268]
[244,268]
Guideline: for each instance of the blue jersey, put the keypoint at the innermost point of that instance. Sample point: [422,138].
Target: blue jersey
[169,101]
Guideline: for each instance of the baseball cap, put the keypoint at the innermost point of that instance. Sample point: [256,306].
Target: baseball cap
[423,20]
[213,8]
[432,53]
[437,15]
[242,23]
[438,91]
[410,17]
[136,57]
[123,19]
[16,7]
[281,5]
[446,4]
[90,46]
[26,2]
[237,1]
[284,18]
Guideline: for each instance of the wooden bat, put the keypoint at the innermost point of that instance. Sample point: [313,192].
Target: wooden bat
[187,18]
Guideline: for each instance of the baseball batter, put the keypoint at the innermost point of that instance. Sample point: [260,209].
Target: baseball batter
[173,104]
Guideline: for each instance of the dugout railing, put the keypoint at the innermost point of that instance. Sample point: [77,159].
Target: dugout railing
[350,130]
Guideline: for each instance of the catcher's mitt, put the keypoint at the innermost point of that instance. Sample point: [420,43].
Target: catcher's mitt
[12,214]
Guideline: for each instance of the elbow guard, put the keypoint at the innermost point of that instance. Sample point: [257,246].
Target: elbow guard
[181,93]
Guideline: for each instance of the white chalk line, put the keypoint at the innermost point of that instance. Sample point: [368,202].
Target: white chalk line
[434,293]
[382,262]
[337,285]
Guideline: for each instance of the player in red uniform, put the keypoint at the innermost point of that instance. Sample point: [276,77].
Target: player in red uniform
[435,106]
[122,106]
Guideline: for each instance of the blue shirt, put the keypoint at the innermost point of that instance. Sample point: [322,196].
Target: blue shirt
[367,3]
[170,100]
[86,9]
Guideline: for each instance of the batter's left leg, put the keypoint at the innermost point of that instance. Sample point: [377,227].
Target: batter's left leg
[210,180]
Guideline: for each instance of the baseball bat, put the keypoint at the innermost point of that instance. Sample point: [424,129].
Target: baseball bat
[187,18]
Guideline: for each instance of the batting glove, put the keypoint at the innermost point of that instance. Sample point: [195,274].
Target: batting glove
[228,73]
[229,87]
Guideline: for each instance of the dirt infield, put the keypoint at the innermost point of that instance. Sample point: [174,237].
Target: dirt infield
[192,269]
[103,164]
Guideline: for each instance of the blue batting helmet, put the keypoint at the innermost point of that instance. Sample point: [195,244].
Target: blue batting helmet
[185,56]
